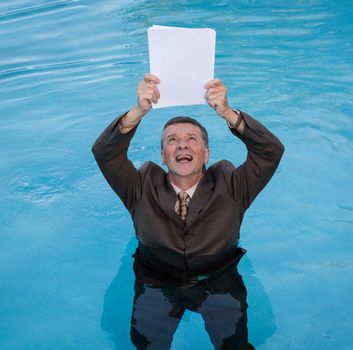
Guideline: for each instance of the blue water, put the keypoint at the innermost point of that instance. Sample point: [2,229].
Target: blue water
[67,68]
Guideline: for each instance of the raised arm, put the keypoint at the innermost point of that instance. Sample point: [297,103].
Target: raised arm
[264,148]
[264,154]
[216,96]
[111,147]
[147,92]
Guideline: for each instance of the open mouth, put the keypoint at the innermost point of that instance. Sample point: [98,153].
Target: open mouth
[184,158]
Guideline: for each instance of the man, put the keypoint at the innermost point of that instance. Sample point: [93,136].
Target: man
[187,221]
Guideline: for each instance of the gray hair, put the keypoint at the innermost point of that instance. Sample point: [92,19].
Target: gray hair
[179,120]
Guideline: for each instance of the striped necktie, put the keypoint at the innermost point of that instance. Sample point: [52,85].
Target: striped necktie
[181,205]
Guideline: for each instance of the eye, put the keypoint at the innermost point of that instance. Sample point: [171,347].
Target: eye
[192,138]
[172,139]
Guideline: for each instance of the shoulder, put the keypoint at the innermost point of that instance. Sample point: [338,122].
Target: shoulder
[223,169]
[151,169]
[222,166]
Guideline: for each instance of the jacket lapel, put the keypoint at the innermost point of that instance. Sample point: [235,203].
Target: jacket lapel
[167,199]
[200,198]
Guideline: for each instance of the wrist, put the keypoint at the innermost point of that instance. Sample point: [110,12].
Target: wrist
[228,115]
[234,118]
[131,119]
[138,111]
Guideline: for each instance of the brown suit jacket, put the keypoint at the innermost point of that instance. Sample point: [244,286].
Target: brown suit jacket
[207,242]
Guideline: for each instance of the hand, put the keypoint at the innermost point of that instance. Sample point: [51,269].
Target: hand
[147,92]
[216,96]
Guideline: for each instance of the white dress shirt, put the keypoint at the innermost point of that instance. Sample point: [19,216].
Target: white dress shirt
[190,191]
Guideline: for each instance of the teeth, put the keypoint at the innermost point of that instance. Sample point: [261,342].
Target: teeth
[183,157]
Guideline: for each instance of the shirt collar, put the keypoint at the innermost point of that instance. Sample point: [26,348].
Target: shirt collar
[190,191]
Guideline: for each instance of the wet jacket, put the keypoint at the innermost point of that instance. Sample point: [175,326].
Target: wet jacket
[207,242]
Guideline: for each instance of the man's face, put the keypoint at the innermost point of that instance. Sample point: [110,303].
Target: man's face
[184,151]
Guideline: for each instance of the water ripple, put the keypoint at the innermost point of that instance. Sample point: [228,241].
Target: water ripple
[345,207]
[34,10]
[43,189]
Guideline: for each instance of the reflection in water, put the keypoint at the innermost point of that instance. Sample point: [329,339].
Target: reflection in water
[159,307]
[153,313]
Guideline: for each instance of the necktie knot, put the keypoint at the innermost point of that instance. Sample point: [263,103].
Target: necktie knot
[181,206]
[183,196]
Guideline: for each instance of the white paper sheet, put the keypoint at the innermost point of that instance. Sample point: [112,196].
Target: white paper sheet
[183,59]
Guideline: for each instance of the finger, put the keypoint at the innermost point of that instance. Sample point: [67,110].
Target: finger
[145,88]
[148,98]
[215,92]
[219,88]
[219,101]
[151,94]
[213,83]
[144,84]
[147,94]
[152,90]
[151,78]
[209,95]
[154,96]
[212,104]
[220,98]
[157,93]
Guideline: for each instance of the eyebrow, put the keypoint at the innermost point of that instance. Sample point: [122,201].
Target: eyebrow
[188,134]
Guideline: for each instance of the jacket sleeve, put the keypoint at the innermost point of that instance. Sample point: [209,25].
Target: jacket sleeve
[110,151]
[264,154]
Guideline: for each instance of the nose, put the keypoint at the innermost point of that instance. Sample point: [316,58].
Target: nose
[182,144]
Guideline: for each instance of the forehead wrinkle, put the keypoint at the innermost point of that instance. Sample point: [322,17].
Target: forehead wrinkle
[170,134]
[188,134]
[178,128]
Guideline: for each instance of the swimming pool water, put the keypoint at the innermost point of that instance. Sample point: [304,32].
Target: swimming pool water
[67,68]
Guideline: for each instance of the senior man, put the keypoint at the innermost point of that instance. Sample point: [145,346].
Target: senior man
[187,220]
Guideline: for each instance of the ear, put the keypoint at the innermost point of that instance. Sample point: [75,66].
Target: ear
[162,157]
[207,155]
